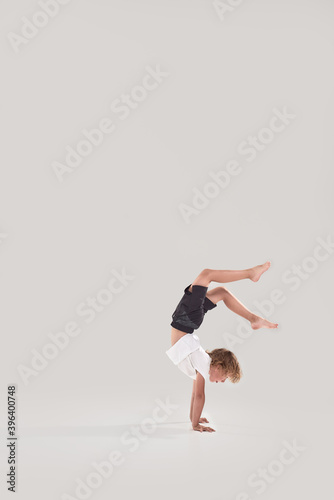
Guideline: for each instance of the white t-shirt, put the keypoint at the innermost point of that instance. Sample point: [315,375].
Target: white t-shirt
[189,356]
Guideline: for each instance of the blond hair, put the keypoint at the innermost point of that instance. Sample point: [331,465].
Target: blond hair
[228,363]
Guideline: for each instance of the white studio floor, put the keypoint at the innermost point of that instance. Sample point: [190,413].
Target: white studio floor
[176,462]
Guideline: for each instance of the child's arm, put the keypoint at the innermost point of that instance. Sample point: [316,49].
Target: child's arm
[198,400]
[201,420]
[192,400]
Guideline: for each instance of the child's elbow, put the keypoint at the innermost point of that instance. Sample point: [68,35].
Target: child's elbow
[199,395]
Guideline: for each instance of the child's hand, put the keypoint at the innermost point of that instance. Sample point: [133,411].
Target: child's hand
[203,421]
[203,428]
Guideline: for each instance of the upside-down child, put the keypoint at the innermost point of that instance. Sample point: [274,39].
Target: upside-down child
[186,351]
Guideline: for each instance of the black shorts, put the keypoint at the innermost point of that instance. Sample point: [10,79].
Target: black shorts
[190,311]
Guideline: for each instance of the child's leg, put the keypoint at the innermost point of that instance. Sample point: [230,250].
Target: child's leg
[221,293]
[226,276]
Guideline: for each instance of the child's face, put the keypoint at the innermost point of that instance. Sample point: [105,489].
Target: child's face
[217,374]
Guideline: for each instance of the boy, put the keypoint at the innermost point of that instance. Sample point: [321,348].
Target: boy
[186,351]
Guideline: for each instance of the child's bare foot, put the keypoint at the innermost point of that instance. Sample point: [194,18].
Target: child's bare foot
[257,271]
[259,322]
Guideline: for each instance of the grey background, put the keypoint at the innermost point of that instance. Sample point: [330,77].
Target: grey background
[120,209]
